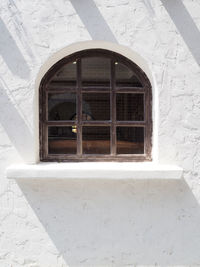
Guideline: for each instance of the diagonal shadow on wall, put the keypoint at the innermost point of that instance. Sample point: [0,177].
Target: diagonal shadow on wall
[185,24]
[11,53]
[93,20]
[118,223]
[15,126]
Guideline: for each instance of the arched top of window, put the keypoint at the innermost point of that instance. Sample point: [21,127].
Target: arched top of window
[95,105]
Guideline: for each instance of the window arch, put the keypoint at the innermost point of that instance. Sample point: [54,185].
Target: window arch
[95,105]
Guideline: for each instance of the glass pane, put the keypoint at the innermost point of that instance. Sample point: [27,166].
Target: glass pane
[96,140]
[95,71]
[61,106]
[98,106]
[125,77]
[130,140]
[65,77]
[130,107]
[62,140]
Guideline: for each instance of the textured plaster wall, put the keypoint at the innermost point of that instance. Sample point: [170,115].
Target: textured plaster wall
[101,223]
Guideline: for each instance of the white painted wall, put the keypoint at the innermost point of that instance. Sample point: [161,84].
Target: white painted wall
[101,222]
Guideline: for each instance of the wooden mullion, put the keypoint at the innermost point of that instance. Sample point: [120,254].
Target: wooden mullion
[113,109]
[135,90]
[62,83]
[79,109]
[96,123]
[60,123]
[61,90]
[147,122]
[131,123]
[96,157]
[95,89]
[46,110]
[45,128]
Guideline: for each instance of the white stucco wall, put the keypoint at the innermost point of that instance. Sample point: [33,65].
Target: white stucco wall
[101,222]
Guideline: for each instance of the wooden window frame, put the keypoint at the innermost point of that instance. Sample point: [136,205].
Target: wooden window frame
[113,89]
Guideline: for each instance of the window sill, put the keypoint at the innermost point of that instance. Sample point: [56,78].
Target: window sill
[97,170]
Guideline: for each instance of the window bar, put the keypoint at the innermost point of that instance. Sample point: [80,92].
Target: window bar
[113,109]
[61,90]
[79,108]
[45,118]
[147,110]
[46,110]
[125,90]
[60,123]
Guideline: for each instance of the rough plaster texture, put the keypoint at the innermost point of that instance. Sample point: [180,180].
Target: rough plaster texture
[101,223]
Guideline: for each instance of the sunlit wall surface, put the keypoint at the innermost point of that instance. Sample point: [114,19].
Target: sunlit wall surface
[92,222]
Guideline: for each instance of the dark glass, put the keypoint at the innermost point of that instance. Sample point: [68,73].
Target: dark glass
[97,106]
[125,77]
[61,106]
[130,140]
[95,71]
[130,107]
[65,77]
[62,140]
[96,140]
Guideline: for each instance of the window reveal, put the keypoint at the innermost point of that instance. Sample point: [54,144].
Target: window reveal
[95,105]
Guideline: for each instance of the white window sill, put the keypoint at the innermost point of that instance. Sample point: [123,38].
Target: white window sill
[94,170]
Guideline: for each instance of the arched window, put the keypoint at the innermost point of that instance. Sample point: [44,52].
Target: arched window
[95,105]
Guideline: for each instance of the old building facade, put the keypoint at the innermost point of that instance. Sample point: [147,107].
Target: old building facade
[123,216]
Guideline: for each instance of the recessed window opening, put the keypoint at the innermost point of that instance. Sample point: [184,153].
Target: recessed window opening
[95,105]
